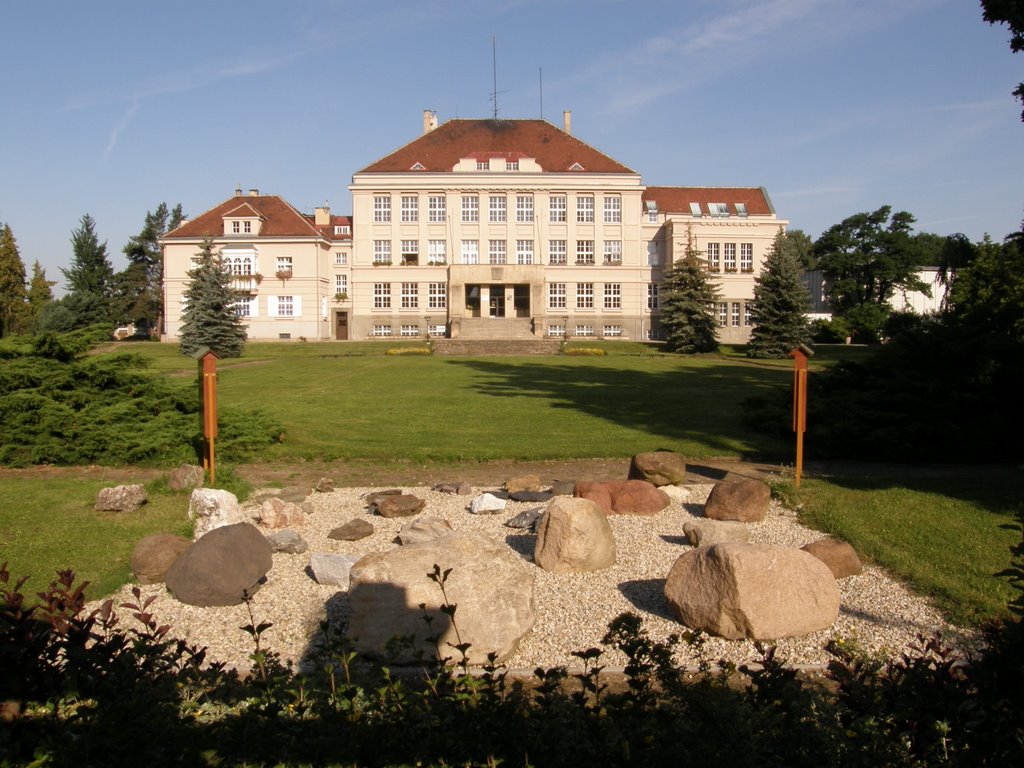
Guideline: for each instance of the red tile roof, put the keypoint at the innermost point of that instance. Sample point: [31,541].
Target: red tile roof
[678,199]
[327,230]
[279,218]
[442,148]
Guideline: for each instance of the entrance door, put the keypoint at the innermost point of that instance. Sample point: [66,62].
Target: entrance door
[341,326]
[521,299]
[497,305]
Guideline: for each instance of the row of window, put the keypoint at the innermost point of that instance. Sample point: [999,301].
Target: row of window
[498,209]
[276,306]
[724,254]
[409,296]
[498,252]
[729,314]
[585,330]
[557,296]
[407,330]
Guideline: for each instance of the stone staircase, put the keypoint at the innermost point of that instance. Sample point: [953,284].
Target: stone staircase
[495,347]
[496,328]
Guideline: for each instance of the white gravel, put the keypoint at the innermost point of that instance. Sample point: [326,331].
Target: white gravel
[573,611]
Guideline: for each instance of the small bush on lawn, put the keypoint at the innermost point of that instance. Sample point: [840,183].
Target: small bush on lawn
[408,351]
[80,690]
[585,351]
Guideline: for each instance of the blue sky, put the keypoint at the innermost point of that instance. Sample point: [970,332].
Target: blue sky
[835,106]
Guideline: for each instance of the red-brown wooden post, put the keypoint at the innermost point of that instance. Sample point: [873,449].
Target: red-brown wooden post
[208,401]
[800,357]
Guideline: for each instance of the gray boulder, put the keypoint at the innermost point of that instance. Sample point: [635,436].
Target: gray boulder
[287,542]
[221,567]
[332,570]
[212,508]
[120,498]
[487,504]
[491,585]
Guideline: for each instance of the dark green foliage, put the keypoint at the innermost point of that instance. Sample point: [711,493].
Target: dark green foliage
[13,298]
[688,306]
[58,407]
[140,285]
[209,319]
[40,294]
[780,303]
[90,280]
[1010,13]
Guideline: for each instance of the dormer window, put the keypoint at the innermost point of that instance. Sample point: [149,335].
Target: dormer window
[652,211]
[718,209]
[342,229]
[511,165]
[695,209]
[483,165]
[247,227]
[236,227]
[741,209]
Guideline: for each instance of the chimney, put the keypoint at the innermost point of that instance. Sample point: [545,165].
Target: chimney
[238,191]
[567,120]
[253,192]
[322,215]
[429,120]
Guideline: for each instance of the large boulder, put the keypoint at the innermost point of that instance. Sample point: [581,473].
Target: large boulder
[624,497]
[153,555]
[755,591]
[490,584]
[212,508]
[745,501]
[221,567]
[424,529]
[574,535]
[277,513]
[838,555]
[120,498]
[658,467]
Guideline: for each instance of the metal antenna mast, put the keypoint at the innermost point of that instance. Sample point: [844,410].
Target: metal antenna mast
[494,71]
[540,77]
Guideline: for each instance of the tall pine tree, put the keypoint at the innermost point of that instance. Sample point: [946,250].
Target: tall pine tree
[90,278]
[209,318]
[688,304]
[40,293]
[140,285]
[780,303]
[12,284]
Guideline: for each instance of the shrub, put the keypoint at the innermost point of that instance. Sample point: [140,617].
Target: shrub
[408,351]
[585,352]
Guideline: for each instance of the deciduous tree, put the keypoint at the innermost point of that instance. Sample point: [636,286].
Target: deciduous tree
[12,284]
[1010,13]
[780,303]
[688,304]
[209,319]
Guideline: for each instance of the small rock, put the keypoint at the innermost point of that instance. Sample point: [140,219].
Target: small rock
[288,542]
[524,483]
[331,569]
[186,477]
[574,536]
[296,494]
[325,485]
[677,494]
[526,519]
[563,487]
[704,533]
[403,505]
[486,504]
[120,498]
[276,513]
[423,529]
[531,496]
[838,555]
[354,530]
[371,499]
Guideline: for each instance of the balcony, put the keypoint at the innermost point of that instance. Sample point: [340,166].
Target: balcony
[245,283]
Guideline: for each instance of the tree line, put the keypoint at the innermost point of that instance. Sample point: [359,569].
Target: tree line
[95,292]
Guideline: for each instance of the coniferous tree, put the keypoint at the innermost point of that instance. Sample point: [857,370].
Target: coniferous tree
[780,303]
[40,293]
[209,318]
[688,304]
[140,285]
[90,278]
[12,284]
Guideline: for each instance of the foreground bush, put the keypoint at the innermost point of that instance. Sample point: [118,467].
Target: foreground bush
[81,690]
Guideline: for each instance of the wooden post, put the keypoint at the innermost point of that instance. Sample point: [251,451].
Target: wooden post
[800,357]
[208,402]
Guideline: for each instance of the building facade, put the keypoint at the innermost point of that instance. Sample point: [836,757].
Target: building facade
[485,229]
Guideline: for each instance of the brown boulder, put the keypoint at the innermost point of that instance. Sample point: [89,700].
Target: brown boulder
[221,567]
[839,556]
[186,477]
[402,505]
[153,555]
[354,530]
[755,591]
[743,500]
[574,535]
[523,483]
[658,468]
[624,497]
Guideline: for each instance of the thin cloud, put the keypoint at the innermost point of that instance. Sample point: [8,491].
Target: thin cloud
[115,134]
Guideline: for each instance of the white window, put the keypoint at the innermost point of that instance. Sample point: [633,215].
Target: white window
[723,314]
[285,306]
[410,209]
[497,209]
[556,330]
[524,251]
[497,252]
[612,330]
[340,258]
[381,251]
[410,330]
[437,251]
[284,265]
[556,208]
[236,227]
[342,229]
[247,227]
[437,329]
[741,209]
[613,210]
[470,208]
[714,258]
[246,306]
[470,252]
[613,295]
[747,319]
[584,295]
[652,216]
[524,208]
[410,253]
[437,208]
[652,296]
[382,296]
[730,257]
[437,295]
[585,209]
[557,252]
[382,330]
[382,209]
[340,284]
[556,296]
[735,314]
[511,165]
[746,257]
[653,253]
[718,209]
[695,209]
[612,251]
[584,330]
[584,251]
[483,165]
[410,296]
[238,263]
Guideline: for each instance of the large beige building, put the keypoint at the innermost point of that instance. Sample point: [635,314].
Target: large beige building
[480,228]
